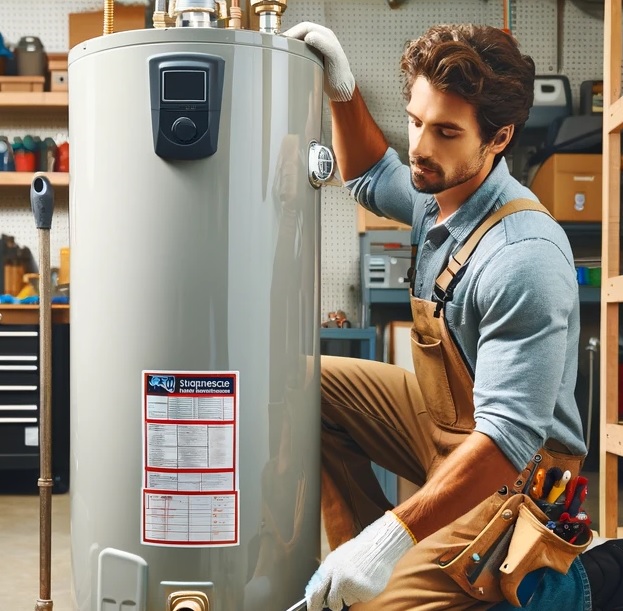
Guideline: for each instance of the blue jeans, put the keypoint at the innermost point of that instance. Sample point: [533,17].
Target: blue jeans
[554,591]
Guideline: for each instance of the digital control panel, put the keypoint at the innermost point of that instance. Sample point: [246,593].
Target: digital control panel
[186,91]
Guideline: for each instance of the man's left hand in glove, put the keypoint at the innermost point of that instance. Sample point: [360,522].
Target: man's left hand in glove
[359,569]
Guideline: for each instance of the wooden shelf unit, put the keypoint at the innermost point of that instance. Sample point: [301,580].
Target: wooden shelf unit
[24,179]
[611,429]
[34,99]
[29,314]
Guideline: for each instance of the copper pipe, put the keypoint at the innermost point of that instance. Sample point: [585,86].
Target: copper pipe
[109,16]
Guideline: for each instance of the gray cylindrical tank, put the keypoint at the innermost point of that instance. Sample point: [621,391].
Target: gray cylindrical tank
[194,236]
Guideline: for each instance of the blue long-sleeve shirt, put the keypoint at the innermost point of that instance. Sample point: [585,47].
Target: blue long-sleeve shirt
[515,312]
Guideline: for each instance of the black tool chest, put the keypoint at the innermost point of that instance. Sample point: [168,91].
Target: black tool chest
[20,402]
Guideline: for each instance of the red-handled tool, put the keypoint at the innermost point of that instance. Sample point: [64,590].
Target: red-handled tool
[575,495]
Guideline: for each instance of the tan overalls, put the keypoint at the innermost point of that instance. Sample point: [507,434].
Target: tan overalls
[409,423]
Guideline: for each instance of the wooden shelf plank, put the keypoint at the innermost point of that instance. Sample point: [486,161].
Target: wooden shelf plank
[24,179]
[16,314]
[34,99]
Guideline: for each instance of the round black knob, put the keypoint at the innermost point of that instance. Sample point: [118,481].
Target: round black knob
[184,129]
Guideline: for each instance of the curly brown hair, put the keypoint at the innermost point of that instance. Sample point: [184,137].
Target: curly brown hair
[480,63]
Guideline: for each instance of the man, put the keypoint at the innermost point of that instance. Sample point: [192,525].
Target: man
[490,409]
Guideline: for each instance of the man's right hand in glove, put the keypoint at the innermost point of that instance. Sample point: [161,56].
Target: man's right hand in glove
[339,82]
[359,569]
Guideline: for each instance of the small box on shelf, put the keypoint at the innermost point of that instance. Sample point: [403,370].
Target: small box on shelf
[11,84]
[57,68]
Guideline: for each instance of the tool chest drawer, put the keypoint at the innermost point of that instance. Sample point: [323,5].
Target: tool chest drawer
[19,341]
[20,446]
[19,396]
[20,375]
[19,363]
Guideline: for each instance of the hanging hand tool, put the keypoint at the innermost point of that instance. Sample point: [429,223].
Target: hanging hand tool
[42,202]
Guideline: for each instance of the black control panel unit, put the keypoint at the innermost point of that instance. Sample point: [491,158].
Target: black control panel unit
[186,92]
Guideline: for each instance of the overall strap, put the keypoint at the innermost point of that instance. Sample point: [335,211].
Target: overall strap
[458,260]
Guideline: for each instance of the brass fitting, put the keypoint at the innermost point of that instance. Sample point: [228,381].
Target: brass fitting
[269,12]
[235,19]
[194,13]
[188,601]
[161,19]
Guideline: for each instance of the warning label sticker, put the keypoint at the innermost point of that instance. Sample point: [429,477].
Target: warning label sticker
[190,458]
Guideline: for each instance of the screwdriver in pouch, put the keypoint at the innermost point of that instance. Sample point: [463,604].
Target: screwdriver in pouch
[575,495]
[553,475]
[559,487]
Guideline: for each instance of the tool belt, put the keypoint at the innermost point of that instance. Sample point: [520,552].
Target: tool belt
[524,534]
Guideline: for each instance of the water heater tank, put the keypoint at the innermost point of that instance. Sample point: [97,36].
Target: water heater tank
[194,234]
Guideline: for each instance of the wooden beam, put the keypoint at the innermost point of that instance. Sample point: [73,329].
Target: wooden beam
[613,289]
[611,439]
[614,120]
[614,439]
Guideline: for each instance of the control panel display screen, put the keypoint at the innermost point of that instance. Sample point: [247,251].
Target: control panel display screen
[184,86]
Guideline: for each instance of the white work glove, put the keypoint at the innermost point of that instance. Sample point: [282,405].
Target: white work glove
[339,82]
[359,569]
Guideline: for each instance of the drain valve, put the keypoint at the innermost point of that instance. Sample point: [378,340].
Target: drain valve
[188,601]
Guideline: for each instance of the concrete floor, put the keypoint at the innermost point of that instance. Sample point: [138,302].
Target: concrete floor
[19,545]
[19,552]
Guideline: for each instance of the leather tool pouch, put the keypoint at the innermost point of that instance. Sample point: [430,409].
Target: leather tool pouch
[514,542]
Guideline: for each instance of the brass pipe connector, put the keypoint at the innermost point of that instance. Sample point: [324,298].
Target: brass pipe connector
[188,601]
[194,13]
[235,18]
[161,18]
[269,12]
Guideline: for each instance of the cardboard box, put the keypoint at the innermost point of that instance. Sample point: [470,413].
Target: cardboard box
[57,67]
[83,26]
[569,186]
[21,83]
[367,221]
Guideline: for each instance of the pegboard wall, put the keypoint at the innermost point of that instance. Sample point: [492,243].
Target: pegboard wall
[373,36]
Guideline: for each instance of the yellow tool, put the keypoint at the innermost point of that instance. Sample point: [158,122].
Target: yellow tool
[559,487]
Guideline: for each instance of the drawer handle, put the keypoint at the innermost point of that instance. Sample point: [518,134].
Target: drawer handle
[19,333]
[18,368]
[9,388]
[17,357]
[18,408]
[17,420]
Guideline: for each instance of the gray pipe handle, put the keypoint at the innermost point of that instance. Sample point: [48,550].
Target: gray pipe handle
[42,201]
